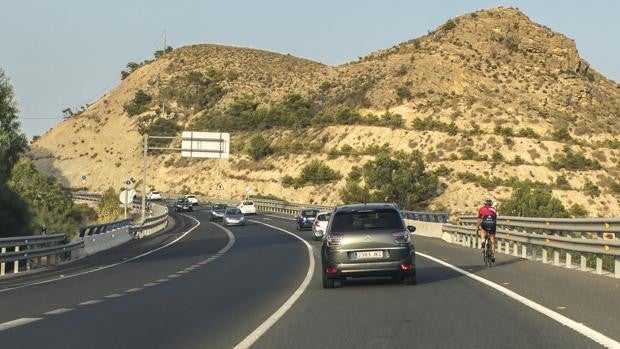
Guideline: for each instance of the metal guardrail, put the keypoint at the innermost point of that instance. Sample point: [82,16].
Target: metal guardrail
[103,228]
[293,208]
[564,238]
[32,249]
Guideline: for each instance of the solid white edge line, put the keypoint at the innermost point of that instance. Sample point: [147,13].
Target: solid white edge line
[94,301]
[578,327]
[264,327]
[108,266]
[18,322]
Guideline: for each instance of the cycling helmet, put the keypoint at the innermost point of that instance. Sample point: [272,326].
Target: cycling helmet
[488,202]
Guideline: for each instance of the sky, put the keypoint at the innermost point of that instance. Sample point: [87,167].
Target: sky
[67,53]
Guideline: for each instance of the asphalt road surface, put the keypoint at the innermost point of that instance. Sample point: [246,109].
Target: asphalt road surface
[211,287]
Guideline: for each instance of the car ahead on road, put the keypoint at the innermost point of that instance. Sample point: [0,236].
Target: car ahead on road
[233,216]
[153,195]
[217,212]
[183,205]
[367,240]
[305,218]
[192,198]
[320,225]
[247,207]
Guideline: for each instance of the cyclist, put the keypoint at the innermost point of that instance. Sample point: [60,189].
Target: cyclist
[487,222]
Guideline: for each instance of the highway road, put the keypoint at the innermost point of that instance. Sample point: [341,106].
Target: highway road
[201,285]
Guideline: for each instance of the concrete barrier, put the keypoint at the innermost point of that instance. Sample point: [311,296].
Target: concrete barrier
[428,229]
[100,242]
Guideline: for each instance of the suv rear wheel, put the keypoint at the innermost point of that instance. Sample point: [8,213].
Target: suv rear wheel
[327,282]
[409,279]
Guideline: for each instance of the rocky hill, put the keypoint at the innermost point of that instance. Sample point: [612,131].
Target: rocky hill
[482,84]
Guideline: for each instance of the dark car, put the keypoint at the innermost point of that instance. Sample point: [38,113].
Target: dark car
[305,218]
[367,240]
[217,212]
[183,205]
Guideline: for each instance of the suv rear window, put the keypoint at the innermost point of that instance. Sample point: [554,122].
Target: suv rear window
[366,219]
[248,203]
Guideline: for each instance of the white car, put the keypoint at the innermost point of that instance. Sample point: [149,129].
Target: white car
[153,195]
[320,224]
[192,199]
[247,207]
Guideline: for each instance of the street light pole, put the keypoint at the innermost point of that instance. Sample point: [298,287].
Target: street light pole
[146,147]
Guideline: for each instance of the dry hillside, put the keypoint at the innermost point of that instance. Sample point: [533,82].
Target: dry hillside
[508,85]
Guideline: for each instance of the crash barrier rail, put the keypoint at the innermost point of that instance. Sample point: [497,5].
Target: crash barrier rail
[293,208]
[40,250]
[535,238]
[35,250]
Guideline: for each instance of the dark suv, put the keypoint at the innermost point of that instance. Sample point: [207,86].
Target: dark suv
[305,218]
[367,240]
[182,204]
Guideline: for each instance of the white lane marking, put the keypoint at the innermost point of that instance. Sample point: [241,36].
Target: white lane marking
[266,219]
[264,327]
[62,277]
[280,217]
[18,322]
[94,301]
[578,327]
[182,272]
[136,289]
[58,311]
[114,295]
[151,284]
[162,280]
[172,276]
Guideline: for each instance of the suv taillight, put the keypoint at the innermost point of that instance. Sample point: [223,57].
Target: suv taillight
[401,236]
[333,240]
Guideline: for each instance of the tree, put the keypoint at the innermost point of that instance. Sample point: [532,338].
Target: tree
[529,199]
[12,141]
[401,178]
[109,208]
[14,213]
[259,147]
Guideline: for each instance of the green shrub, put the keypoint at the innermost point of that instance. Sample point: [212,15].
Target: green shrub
[259,147]
[399,178]
[442,171]
[532,200]
[139,103]
[429,124]
[577,211]
[562,183]
[402,92]
[497,157]
[528,132]
[569,160]
[591,189]
[449,25]
[561,135]
[504,131]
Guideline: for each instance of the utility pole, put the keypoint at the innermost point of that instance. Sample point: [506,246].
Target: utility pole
[163,105]
[146,147]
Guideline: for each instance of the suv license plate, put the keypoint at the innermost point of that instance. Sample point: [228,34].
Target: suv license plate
[368,254]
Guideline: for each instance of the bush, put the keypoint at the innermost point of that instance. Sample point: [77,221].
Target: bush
[573,161]
[561,135]
[449,25]
[259,147]
[591,189]
[562,183]
[138,104]
[401,178]
[531,200]
[403,92]
[577,211]
[428,124]
[109,209]
[497,157]
[528,133]
[313,173]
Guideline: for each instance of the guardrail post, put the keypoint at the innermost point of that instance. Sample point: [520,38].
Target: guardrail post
[499,245]
[583,263]
[599,264]
[617,267]
[2,266]
[16,263]
[507,247]
[556,257]
[515,251]
[569,259]
[523,251]
[544,255]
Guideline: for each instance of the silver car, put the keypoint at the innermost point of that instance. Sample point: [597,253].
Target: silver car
[233,216]
[367,240]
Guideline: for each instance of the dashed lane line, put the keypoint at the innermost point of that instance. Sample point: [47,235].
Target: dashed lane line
[91,302]
[18,322]
[135,289]
[58,311]
[113,295]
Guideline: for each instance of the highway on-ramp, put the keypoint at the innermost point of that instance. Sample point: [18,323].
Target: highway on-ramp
[216,287]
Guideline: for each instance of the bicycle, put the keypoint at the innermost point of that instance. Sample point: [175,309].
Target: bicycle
[487,252]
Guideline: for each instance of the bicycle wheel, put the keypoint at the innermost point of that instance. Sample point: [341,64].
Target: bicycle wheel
[488,253]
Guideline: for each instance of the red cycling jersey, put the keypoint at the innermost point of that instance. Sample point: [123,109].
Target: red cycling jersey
[486,211]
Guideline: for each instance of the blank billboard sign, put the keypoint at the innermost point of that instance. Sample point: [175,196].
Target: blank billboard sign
[205,145]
